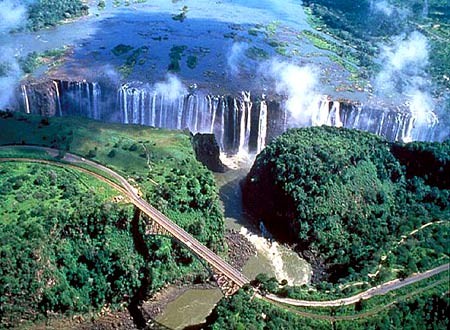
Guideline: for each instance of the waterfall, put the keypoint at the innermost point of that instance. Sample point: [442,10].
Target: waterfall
[419,127]
[320,116]
[123,103]
[380,127]
[135,107]
[241,124]
[25,98]
[222,124]
[262,126]
[96,94]
[213,105]
[245,122]
[78,97]
[335,116]
[248,102]
[153,110]
[58,98]
[88,99]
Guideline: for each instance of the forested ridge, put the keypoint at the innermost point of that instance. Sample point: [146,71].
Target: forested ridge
[349,200]
[364,210]
[65,244]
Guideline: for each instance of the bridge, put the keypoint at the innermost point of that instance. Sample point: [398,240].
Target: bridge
[227,277]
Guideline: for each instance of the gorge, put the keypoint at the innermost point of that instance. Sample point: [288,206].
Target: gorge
[156,90]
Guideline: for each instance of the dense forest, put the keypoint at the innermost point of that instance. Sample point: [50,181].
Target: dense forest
[69,245]
[351,201]
[45,13]
[65,244]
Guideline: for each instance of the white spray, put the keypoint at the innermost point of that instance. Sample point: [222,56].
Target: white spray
[404,63]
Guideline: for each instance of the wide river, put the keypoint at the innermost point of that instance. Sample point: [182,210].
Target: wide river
[224,46]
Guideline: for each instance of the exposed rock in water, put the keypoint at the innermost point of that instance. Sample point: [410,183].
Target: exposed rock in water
[240,249]
[207,152]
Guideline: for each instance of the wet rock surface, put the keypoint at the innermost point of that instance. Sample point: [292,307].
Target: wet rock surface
[239,249]
[41,98]
[207,152]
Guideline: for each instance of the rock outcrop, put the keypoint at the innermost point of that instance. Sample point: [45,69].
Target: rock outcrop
[207,152]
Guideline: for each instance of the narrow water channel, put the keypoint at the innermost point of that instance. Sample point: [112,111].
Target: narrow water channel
[193,306]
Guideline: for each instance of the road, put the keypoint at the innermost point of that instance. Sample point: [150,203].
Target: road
[375,291]
[173,229]
[205,253]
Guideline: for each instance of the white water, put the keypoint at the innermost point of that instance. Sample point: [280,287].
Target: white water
[262,127]
[240,124]
[230,119]
[58,98]
[285,264]
[335,116]
[245,125]
[25,98]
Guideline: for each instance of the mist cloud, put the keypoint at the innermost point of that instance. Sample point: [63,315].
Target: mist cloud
[404,63]
[171,88]
[9,76]
[387,9]
[383,7]
[299,84]
[12,16]
[235,56]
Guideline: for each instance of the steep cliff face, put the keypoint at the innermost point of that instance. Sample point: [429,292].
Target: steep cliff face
[207,152]
[242,123]
[41,98]
[430,162]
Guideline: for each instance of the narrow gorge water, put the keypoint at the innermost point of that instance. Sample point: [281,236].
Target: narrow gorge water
[271,258]
[194,305]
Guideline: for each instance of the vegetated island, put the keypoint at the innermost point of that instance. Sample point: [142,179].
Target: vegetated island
[72,245]
[44,13]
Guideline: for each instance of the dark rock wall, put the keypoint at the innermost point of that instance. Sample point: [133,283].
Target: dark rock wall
[207,152]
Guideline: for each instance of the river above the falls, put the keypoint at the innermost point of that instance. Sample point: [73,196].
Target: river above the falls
[222,46]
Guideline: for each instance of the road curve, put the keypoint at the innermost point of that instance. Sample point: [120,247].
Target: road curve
[205,253]
[177,232]
[375,291]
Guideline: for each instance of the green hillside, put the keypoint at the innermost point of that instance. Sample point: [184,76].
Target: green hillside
[353,203]
[68,244]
